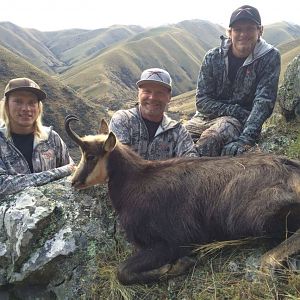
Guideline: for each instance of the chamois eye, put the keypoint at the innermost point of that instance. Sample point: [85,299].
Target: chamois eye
[90,157]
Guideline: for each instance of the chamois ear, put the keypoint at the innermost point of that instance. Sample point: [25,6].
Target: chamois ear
[103,128]
[110,143]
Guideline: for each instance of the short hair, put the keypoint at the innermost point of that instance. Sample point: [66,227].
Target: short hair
[5,118]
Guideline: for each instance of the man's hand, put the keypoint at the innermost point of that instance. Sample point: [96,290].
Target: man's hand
[235,148]
[72,167]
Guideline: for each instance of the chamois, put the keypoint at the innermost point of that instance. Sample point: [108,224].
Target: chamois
[166,207]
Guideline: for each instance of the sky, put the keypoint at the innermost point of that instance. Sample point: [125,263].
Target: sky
[45,15]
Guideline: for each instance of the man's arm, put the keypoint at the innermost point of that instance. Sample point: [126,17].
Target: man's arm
[10,184]
[119,125]
[185,145]
[265,97]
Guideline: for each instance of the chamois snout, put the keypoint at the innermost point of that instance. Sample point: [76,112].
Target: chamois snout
[78,180]
[78,184]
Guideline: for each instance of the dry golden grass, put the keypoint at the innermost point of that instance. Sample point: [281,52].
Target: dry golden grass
[224,270]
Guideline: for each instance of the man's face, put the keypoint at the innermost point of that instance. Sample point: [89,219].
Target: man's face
[244,35]
[153,99]
[23,110]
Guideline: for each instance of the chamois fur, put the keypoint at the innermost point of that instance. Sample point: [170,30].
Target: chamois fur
[166,207]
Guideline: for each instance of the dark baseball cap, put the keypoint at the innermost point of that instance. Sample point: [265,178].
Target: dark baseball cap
[26,84]
[159,76]
[245,12]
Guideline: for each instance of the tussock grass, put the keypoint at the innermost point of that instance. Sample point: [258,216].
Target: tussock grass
[211,248]
[224,270]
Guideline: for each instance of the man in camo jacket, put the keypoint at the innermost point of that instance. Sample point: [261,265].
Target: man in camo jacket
[237,88]
[146,128]
[30,153]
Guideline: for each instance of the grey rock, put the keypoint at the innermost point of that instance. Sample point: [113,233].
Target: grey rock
[49,240]
[289,91]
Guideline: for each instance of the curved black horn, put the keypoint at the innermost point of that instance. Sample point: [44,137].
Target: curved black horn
[73,135]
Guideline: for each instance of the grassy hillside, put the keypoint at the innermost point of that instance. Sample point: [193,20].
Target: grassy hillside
[183,106]
[288,52]
[113,73]
[23,43]
[281,32]
[207,33]
[83,46]
[61,100]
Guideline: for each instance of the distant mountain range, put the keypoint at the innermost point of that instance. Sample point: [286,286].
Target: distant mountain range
[91,72]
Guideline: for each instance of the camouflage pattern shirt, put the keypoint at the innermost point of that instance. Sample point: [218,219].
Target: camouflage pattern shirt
[250,98]
[50,159]
[171,138]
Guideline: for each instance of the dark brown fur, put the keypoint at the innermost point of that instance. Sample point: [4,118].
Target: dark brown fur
[166,207]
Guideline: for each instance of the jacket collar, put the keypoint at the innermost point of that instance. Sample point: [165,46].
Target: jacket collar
[260,49]
[166,123]
[44,137]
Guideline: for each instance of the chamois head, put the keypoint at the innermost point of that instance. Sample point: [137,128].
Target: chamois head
[94,153]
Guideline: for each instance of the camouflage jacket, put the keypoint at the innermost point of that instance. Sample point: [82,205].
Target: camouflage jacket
[171,138]
[251,98]
[50,159]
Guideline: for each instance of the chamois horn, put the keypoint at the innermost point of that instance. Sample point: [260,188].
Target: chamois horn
[73,135]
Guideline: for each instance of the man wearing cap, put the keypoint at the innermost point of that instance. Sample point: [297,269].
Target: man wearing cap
[236,89]
[146,128]
[30,153]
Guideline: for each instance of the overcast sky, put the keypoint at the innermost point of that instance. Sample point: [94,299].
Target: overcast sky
[51,15]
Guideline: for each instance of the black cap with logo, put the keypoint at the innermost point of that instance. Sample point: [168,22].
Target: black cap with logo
[245,12]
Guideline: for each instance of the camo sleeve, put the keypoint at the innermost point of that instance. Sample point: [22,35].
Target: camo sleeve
[10,184]
[185,145]
[206,92]
[265,98]
[119,125]
[62,156]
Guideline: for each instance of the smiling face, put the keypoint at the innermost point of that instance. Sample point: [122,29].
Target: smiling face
[23,111]
[244,35]
[153,99]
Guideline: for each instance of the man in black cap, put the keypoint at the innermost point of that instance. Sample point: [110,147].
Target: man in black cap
[236,89]
[30,154]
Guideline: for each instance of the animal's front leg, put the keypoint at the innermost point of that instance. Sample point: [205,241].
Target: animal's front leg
[274,258]
[150,265]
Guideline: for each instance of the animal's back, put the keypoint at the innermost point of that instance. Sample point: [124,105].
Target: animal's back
[201,200]
[262,198]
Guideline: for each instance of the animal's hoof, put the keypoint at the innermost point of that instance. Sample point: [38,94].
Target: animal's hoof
[269,263]
[181,266]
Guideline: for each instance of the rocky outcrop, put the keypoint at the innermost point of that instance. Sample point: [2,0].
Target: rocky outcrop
[289,91]
[49,237]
